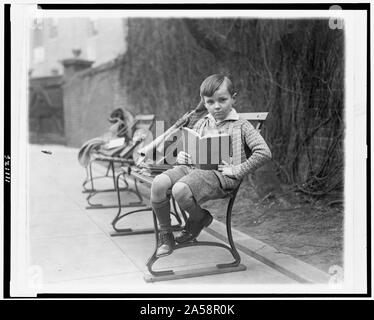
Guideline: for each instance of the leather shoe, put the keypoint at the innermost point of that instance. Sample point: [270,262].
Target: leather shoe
[193,228]
[165,244]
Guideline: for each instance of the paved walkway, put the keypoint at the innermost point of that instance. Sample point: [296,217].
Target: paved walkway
[74,248]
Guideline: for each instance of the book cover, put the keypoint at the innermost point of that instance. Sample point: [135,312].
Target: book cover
[206,151]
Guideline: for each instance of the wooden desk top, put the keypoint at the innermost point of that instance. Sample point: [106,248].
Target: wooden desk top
[142,178]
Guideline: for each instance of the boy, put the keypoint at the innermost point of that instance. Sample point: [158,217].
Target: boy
[190,186]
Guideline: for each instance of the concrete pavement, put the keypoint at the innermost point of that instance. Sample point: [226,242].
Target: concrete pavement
[76,253]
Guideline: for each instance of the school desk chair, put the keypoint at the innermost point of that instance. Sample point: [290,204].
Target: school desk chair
[113,160]
[258,120]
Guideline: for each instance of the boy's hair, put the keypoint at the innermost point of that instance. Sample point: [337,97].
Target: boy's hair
[212,83]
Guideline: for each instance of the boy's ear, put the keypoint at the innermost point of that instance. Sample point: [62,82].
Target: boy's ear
[234,95]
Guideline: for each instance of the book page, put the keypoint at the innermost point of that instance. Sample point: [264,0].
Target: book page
[190,143]
[214,149]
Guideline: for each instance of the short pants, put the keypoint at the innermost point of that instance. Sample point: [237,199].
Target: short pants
[204,184]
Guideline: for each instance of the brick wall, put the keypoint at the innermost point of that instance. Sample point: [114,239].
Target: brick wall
[89,97]
[46,122]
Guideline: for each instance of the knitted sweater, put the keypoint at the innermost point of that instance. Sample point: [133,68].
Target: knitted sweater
[250,150]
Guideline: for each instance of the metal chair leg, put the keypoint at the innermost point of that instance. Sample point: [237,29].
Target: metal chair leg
[130,231]
[86,180]
[90,168]
[113,174]
[118,190]
[139,195]
[119,216]
[153,258]
[90,178]
[233,249]
[218,269]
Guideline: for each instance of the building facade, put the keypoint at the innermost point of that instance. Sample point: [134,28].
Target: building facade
[54,39]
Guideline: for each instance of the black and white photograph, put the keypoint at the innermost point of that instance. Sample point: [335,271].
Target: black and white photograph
[188,151]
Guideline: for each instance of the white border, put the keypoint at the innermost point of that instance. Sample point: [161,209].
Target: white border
[2,152]
[355,173]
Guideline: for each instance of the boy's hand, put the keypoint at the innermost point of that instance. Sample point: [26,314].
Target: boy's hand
[226,169]
[184,158]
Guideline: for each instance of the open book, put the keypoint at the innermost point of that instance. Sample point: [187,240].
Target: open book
[207,151]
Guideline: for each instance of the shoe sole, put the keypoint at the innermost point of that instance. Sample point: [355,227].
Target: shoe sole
[163,255]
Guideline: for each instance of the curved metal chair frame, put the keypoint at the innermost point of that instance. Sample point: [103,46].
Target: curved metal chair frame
[89,178]
[235,265]
[128,231]
[109,169]
[219,268]
[116,184]
[162,275]
[112,160]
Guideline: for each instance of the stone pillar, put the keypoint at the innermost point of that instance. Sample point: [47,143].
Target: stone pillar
[75,64]
[71,102]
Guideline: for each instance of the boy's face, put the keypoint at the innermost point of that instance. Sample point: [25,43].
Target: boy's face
[220,104]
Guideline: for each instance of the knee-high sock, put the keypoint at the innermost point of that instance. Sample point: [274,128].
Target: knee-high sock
[188,203]
[162,211]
